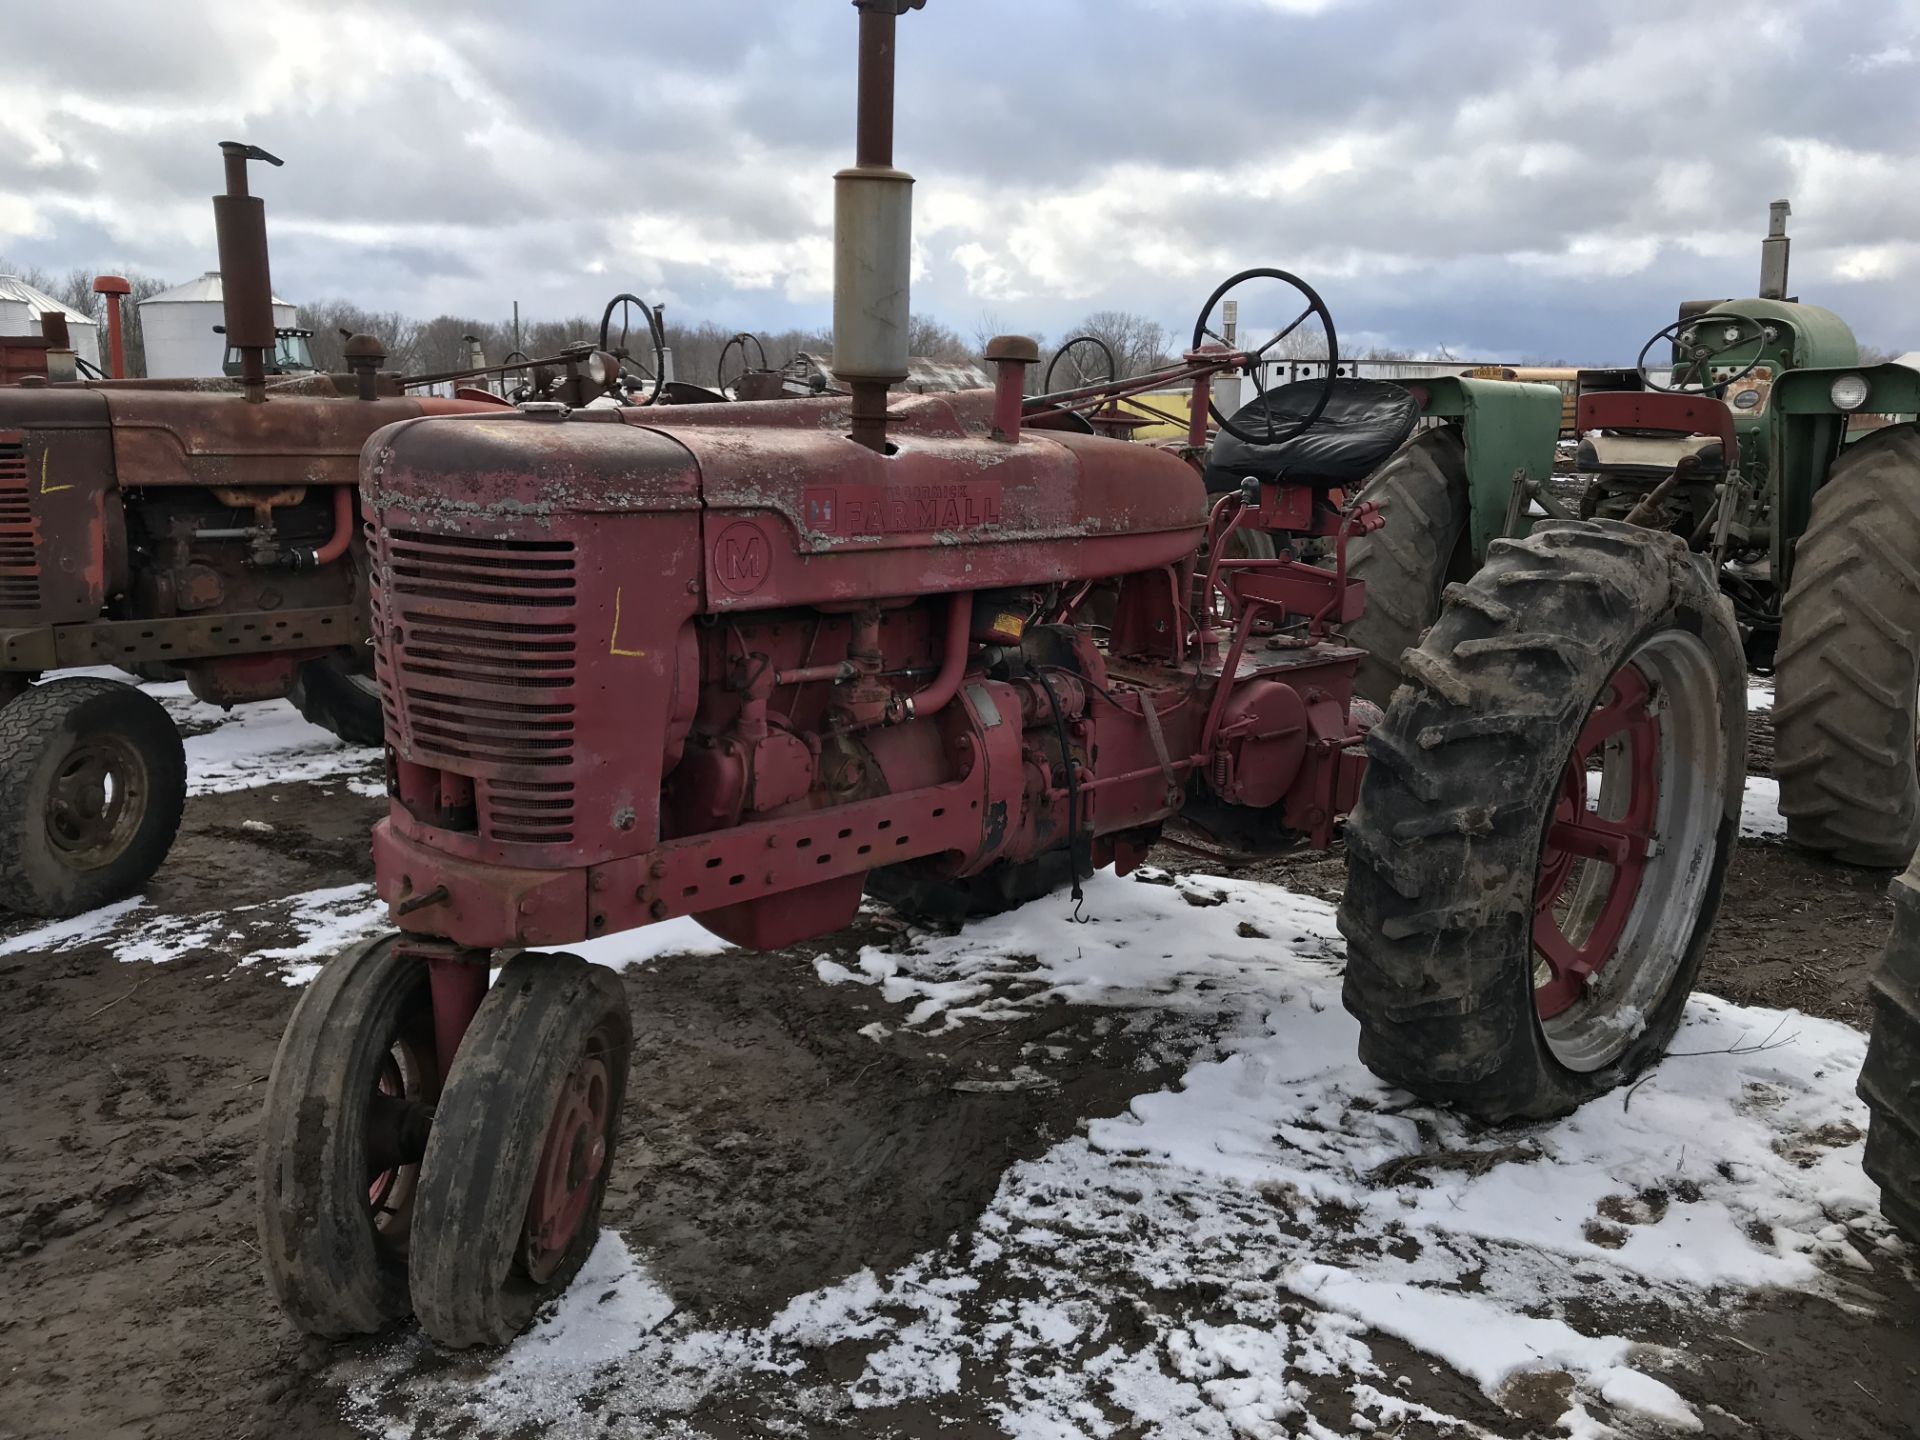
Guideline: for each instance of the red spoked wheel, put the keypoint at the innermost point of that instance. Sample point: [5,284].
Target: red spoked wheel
[399,1114]
[1591,868]
[521,1149]
[571,1163]
[1637,818]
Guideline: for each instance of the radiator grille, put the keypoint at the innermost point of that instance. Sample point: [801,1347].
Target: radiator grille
[19,561]
[485,667]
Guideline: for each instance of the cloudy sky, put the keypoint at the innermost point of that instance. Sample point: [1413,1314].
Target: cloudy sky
[1509,180]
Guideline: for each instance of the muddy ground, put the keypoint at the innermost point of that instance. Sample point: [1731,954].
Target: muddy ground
[784,1150]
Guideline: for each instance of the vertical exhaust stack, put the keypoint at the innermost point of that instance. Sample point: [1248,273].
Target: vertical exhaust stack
[61,364]
[873,237]
[1773,252]
[246,289]
[113,287]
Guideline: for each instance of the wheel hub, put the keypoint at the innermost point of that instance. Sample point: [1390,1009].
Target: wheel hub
[1593,861]
[96,801]
[1627,854]
[399,1115]
[571,1160]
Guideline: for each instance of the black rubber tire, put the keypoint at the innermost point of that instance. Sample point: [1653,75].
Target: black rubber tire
[915,892]
[333,1272]
[336,697]
[1444,846]
[38,732]
[1408,561]
[1890,1080]
[1847,670]
[469,1283]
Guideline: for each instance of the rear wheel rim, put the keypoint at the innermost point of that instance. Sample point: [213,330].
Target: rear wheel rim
[573,1160]
[97,801]
[1625,860]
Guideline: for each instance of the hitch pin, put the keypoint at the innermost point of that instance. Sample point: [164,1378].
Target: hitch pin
[439,895]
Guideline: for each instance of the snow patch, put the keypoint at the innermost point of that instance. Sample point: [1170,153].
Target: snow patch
[1760,816]
[680,936]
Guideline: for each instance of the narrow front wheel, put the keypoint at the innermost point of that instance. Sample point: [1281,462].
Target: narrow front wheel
[522,1146]
[349,1104]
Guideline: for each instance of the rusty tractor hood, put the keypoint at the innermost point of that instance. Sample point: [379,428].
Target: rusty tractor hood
[795,513]
[169,437]
[210,435]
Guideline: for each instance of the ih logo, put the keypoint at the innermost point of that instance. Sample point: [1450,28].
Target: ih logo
[742,557]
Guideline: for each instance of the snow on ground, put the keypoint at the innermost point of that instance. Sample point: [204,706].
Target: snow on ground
[269,743]
[322,922]
[1311,1206]
[1760,816]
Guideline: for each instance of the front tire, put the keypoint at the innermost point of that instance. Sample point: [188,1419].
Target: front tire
[1407,562]
[1545,824]
[1848,665]
[344,1126]
[93,782]
[521,1149]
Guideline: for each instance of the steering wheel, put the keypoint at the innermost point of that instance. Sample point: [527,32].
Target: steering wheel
[1698,352]
[1274,435]
[720,369]
[1113,368]
[624,301]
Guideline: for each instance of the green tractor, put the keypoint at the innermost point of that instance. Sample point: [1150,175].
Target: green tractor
[1791,467]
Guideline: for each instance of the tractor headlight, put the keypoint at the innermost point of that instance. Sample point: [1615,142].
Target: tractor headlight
[1849,392]
[602,369]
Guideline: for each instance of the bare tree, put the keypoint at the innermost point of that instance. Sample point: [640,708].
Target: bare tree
[929,339]
[986,325]
[332,321]
[1138,343]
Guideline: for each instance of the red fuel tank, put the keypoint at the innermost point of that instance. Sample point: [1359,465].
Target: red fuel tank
[803,516]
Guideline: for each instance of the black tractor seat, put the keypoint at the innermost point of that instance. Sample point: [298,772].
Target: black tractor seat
[1365,421]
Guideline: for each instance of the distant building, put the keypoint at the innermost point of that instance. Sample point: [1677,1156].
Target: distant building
[177,328]
[21,307]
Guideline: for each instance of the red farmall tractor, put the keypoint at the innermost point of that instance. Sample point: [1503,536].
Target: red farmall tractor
[748,663]
[209,526]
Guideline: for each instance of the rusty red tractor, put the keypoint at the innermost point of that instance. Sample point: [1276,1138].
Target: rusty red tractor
[747,664]
[207,526]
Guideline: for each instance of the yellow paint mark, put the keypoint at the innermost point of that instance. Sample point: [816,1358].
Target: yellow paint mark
[46,489]
[613,642]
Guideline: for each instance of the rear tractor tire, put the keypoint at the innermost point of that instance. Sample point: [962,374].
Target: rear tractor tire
[1407,562]
[1848,666]
[1545,823]
[522,1145]
[1890,1080]
[337,694]
[348,1103]
[93,781]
